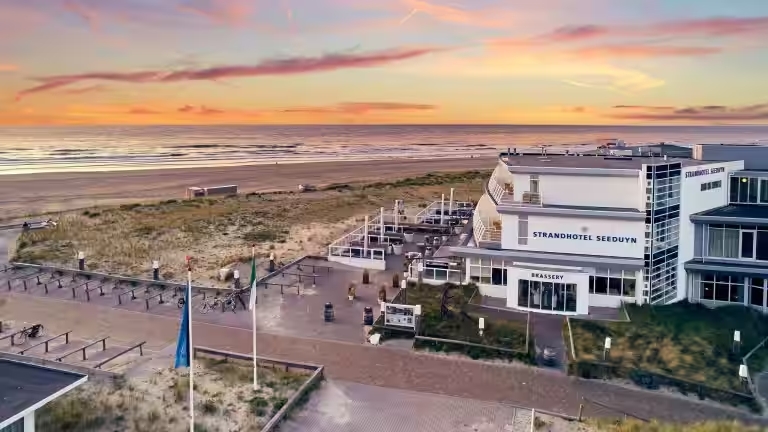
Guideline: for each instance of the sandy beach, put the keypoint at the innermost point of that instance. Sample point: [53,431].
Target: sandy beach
[36,193]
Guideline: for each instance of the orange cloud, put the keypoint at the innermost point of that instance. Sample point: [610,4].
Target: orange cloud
[87,89]
[705,113]
[7,67]
[287,66]
[358,108]
[143,111]
[201,110]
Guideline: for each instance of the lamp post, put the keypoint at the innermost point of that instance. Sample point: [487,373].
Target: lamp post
[81,260]
[606,347]
[156,270]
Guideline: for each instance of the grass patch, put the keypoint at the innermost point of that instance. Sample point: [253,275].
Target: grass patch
[685,341]
[220,231]
[461,323]
[609,425]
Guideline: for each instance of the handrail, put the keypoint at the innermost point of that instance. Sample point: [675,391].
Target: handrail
[66,341]
[130,290]
[139,346]
[751,385]
[103,348]
[160,294]
[74,293]
[602,405]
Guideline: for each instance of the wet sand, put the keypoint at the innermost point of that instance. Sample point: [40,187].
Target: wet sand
[26,194]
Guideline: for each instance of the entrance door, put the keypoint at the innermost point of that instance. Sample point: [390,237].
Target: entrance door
[757,292]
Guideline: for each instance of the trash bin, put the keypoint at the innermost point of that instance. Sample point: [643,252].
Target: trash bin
[368,315]
[328,312]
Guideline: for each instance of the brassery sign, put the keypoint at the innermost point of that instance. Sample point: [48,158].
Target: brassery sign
[547,276]
[705,171]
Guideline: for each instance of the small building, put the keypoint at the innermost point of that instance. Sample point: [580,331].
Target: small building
[199,192]
[26,387]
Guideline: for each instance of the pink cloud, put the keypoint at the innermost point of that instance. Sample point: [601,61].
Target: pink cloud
[704,113]
[87,89]
[7,67]
[635,38]
[287,66]
[640,50]
[229,12]
[358,108]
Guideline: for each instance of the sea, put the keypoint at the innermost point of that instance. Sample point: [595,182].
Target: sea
[26,150]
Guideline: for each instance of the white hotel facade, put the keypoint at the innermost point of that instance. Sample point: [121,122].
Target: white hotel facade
[566,233]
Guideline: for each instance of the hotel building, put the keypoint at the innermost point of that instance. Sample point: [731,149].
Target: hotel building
[569,233]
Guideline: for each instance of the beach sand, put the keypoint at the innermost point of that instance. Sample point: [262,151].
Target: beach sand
[27,194]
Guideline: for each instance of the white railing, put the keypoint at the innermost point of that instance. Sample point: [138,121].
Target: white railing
[529,199]
[352,245]
[496,191]
[356,252]
[485,228]
[433,210]
[436,274]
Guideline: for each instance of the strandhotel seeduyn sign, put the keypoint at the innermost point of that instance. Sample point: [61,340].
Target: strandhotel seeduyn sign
[585,237]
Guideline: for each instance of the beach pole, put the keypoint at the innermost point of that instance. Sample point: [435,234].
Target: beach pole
[365,241]
[381,227]
[442,209]
[395,215]
[156,270]
[252,304]
[191,349]
[450,203]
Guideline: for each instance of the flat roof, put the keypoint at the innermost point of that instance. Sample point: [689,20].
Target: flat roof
[25,387]
[750,173]
[736,211]
[592,161]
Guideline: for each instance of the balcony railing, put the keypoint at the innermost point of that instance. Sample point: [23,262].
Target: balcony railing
[486,229]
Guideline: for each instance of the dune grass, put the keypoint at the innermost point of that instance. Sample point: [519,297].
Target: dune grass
[605,425]
[224,400]
[219,232]
[683,340]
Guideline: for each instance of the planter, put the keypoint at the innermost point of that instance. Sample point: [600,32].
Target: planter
[458,229]
[445,239]
[397,249]
[408,237]
[351,297]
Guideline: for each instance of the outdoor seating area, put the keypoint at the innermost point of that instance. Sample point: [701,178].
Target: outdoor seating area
[386,232]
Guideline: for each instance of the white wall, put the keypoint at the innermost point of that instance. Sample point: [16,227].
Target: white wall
[694,200]
[370,264]
[584,190]
[590,231]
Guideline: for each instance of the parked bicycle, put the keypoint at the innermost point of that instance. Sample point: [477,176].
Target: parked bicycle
[227,302]
[33,332]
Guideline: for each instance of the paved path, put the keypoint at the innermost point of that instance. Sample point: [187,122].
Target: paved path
[339,406]
[365,364]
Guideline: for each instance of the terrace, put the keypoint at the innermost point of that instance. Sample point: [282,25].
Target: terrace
[380,243]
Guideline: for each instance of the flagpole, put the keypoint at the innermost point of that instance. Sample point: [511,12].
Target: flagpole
[191,349]
[253,318]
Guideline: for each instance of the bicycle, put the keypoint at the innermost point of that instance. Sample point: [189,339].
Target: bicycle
[33,332]
[207,305]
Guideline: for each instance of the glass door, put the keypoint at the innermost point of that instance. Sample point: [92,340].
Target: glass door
[757,292]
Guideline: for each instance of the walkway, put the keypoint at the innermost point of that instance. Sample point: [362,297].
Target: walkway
[518,385]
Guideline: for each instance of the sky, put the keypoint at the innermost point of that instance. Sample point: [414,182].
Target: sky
[383,61]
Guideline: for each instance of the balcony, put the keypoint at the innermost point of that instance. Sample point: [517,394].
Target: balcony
[529,199]
[486,229]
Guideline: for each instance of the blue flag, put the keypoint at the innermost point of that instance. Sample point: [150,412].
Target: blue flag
[182,345]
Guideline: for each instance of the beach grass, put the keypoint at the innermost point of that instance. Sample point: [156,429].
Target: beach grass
[219,232]
[685,341]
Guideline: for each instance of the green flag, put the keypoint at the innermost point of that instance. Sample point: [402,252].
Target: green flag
[252,299]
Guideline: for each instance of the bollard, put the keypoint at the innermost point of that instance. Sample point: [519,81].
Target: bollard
[81,260]
[237,279]
[156,270]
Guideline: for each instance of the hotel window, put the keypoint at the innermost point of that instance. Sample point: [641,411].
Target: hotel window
[534,183]
[721,288]
[488,272]
[763,191]
[613,282]
[522,230]
[757,291]
[711,185]
[737,242]
[746,190]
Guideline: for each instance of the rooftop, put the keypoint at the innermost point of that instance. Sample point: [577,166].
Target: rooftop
[592,161]
[25,387]
[734,212]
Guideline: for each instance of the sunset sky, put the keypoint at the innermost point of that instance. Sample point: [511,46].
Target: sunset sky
[383,61]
